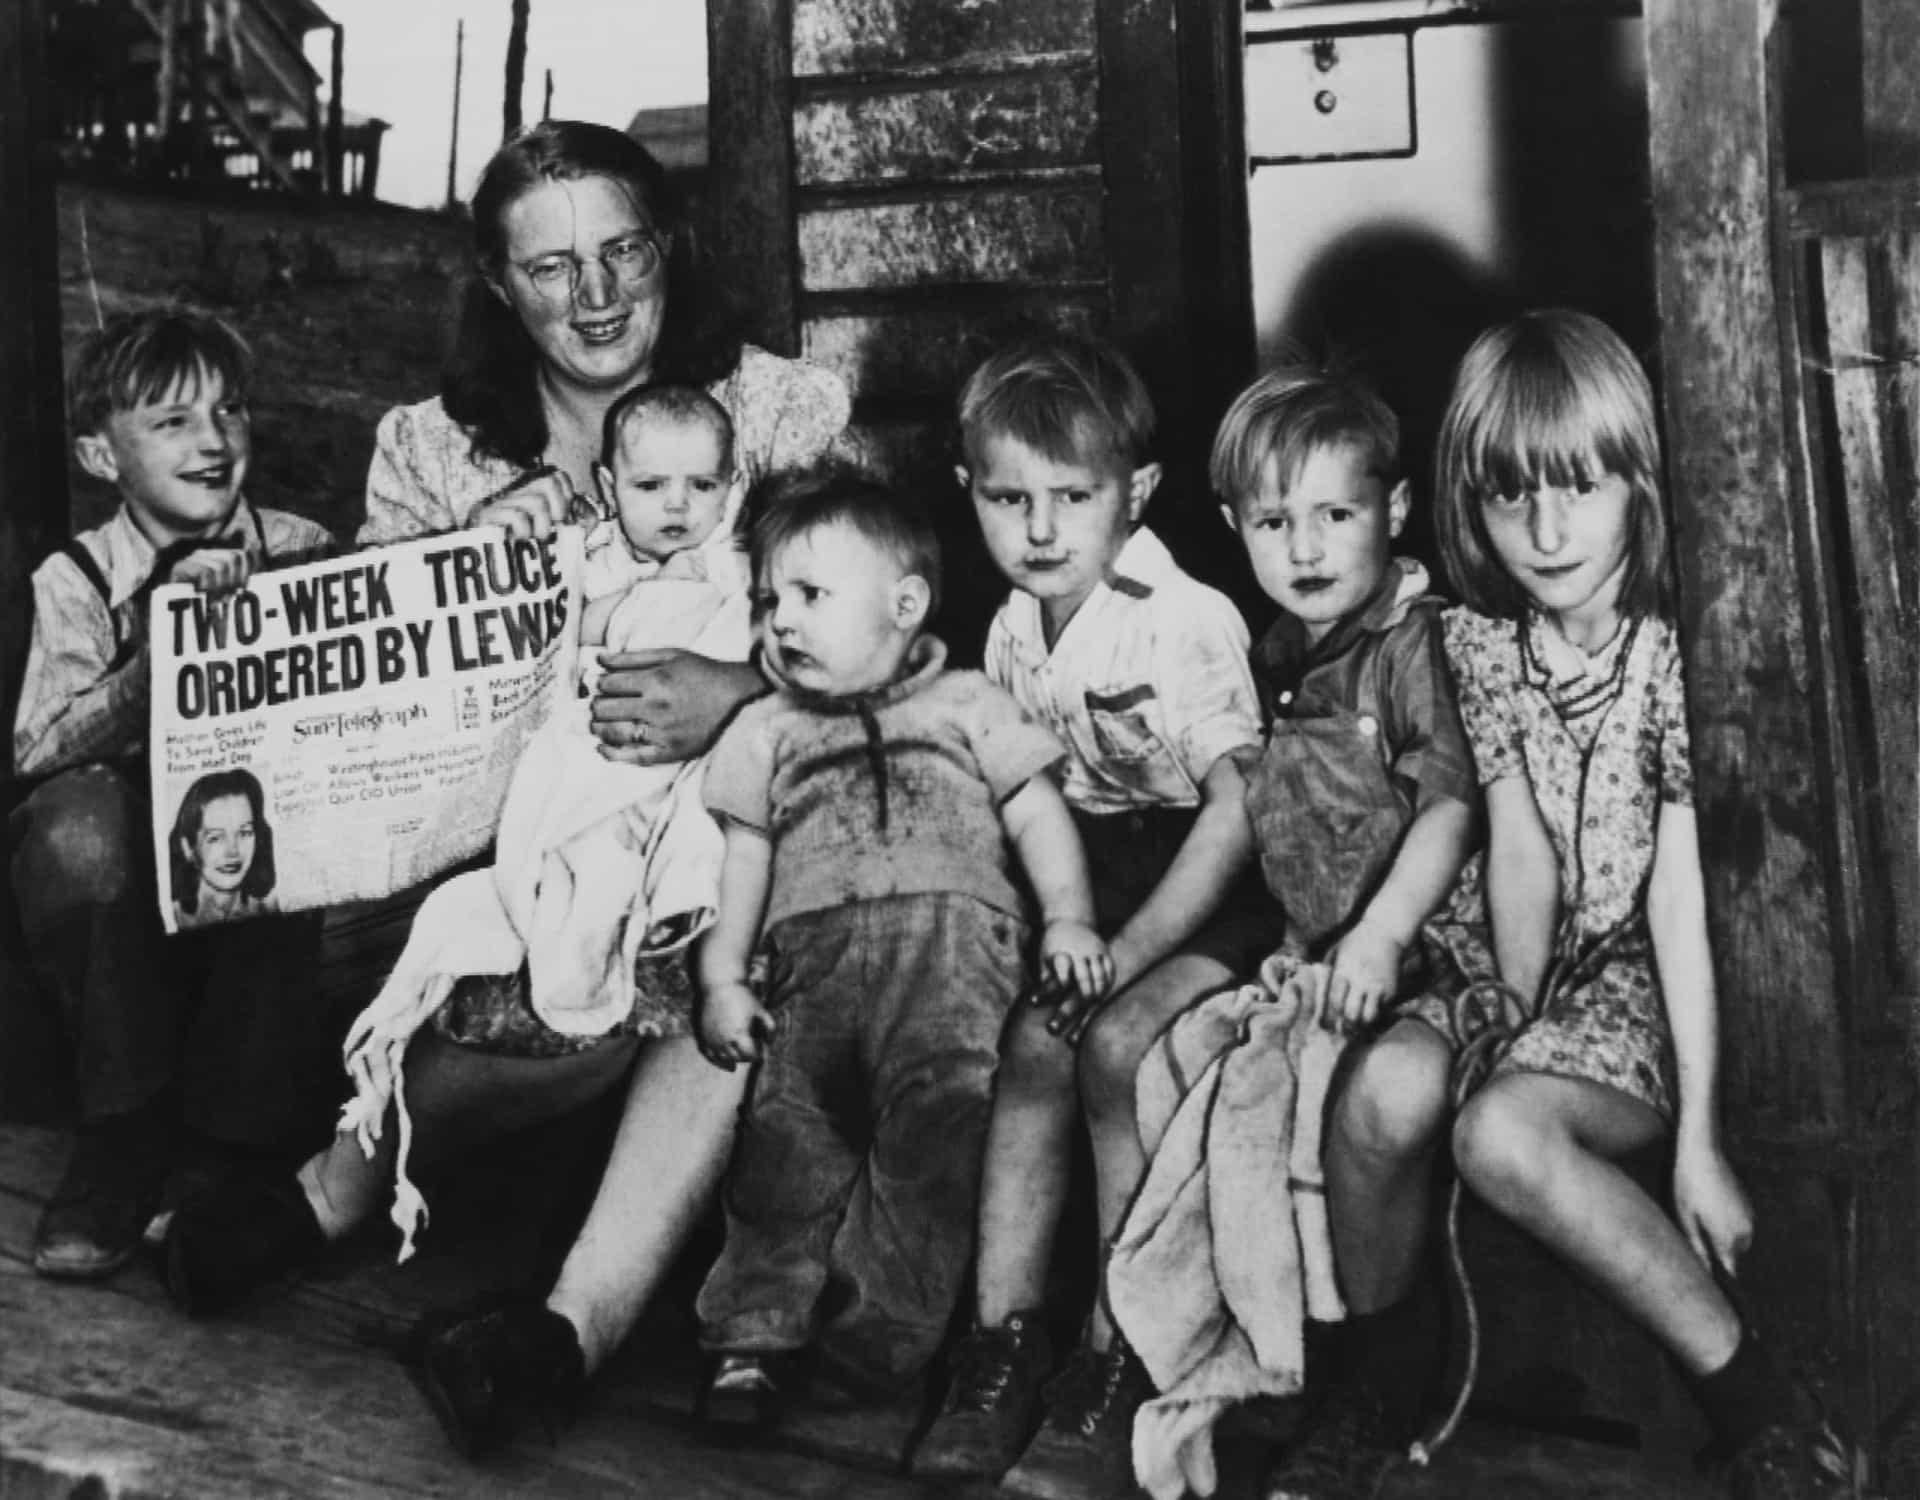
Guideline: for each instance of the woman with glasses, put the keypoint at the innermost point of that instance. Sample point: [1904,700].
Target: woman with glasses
[584,288]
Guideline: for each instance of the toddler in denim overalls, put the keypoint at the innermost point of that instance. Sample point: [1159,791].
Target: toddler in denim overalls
[867,808]
[1364,808]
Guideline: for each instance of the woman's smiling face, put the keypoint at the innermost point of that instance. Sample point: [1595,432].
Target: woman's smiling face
[222,851]
[586,275]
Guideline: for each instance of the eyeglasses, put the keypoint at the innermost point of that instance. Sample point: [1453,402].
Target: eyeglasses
[629,260]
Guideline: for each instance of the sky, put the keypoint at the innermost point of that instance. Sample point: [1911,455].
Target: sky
[609,58]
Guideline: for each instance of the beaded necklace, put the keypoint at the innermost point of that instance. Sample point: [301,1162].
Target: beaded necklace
[1578,685]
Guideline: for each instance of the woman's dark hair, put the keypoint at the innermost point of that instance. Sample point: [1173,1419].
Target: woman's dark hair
[489,384]
[258,881]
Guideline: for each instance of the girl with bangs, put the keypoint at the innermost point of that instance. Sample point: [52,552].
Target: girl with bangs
[1568,669]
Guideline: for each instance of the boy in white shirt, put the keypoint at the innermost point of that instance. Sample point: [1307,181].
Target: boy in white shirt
[1142,672]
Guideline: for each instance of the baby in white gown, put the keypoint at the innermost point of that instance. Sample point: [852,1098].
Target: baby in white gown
[595,862]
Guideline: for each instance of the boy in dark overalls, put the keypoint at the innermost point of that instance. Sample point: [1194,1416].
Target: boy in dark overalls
[1363,809]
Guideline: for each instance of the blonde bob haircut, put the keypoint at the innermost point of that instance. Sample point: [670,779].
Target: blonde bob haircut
[1553,398]
[1288,415]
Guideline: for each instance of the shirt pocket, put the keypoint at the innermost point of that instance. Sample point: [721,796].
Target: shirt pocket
[1123,724]
[1327,818]
[1132,753]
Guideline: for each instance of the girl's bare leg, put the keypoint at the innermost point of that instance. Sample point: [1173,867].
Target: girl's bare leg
[1109,1058]
[1386,1126]
[1539,1149]
[673,1142]
[459,1098]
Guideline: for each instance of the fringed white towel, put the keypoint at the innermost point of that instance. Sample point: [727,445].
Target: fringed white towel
[596,864]
[1226,1250]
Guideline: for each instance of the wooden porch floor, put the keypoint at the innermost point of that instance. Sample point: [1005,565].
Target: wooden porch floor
[106,1394]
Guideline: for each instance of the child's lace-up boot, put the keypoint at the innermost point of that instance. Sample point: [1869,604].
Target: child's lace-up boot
[1084,1449]
[991,1404]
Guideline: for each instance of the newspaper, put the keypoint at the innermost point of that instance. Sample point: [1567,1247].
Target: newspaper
[348,729]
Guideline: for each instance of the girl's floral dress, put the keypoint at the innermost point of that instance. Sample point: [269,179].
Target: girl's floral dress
[1603,742]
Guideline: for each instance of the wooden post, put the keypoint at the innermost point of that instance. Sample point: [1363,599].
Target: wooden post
[316,139]
[167,84]
[1890,55]
[336,113]
[196,91]
[453,135]
[1179,277]
[546,104]
[369,184]
[750,122]
[33,472]
[516,70]
[1766,691]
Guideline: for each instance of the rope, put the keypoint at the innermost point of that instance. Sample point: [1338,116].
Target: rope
[1485,1020]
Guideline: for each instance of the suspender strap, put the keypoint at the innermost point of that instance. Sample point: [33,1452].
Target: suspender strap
[90,570]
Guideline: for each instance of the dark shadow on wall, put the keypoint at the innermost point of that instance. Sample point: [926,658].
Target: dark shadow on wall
[1571,117]
[1398,305]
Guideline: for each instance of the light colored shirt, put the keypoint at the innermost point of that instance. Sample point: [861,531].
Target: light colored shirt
[1147,686]
[426,478]
[84,695]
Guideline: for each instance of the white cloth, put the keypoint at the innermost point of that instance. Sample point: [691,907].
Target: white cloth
[1226,1250]
[596,863]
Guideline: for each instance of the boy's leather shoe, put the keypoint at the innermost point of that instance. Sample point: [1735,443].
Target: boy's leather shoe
[1084,1449]
[991,1403]
[247,1231]
[485,1372]
[93,1224]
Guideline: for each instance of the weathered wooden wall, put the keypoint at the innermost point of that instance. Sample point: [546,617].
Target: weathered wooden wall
[909,181]
[1853,253]
[1797,833]
[33,498]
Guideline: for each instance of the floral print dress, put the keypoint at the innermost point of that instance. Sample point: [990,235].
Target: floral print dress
[1603,742]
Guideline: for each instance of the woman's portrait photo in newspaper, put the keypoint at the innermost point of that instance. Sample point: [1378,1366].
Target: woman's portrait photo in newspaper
[221,851]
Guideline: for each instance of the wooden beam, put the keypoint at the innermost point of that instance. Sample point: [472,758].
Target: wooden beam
[1140,145]
[1348,17]
[1151,55]
[1890,58]
[1761,626]
[336,113]
[33,473]
[1764,802]
[1219,249]
[750,123]
[1855,209]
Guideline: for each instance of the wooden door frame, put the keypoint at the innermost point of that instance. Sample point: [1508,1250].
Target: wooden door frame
[34,513]
[1762,617]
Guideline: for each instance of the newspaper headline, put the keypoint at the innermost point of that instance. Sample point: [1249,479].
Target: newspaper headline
[347,729]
